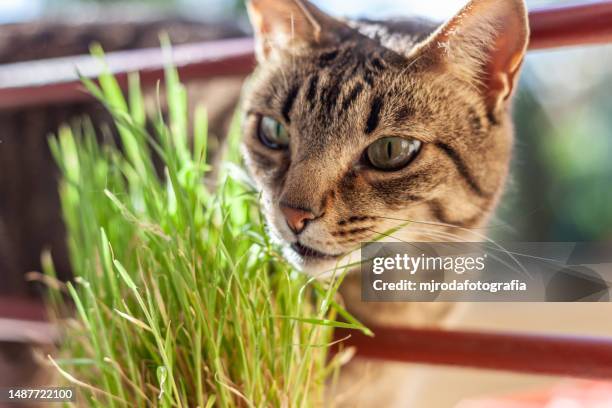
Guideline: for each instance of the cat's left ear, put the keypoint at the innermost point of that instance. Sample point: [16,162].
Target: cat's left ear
[485,44]
[289,26]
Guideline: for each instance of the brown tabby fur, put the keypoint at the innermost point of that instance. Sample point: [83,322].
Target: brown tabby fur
[339,86]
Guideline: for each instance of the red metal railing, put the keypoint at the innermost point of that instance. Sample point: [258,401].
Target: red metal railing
[589,23]
[580,357]
[54,81]
[22,309]
[571,356]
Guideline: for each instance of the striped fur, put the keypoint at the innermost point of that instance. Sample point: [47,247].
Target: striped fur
[339,86]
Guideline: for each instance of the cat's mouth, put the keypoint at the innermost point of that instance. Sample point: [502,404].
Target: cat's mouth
[308,252]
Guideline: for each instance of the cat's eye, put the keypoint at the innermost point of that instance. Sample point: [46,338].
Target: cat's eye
[272,133]
[392,153]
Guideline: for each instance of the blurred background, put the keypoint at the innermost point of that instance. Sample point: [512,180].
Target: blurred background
[561,185]
[563,172]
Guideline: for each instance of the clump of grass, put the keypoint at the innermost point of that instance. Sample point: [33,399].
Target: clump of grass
[181,299]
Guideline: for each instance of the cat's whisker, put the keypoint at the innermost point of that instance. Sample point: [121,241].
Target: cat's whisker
[360,100]
[404,70]
[483,238]
[485,210]
[438,234]
[458,239]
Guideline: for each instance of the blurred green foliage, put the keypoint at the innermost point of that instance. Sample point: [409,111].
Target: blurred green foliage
[561,187]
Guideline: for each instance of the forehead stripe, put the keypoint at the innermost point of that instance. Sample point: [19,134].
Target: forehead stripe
[312,88]
[288,103]
[330,96]
[350,98]
[438,211]
[377,64]
[374,117]
[462,169]
[328,57]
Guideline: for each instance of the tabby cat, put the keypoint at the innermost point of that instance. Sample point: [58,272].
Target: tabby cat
[353,128]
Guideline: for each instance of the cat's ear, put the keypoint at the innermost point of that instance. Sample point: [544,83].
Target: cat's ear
[485,44]
[289,26]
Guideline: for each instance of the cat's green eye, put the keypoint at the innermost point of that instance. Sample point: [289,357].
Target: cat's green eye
[272,133]
[392,153]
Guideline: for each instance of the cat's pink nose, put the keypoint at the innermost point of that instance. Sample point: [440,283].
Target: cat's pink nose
[297,218]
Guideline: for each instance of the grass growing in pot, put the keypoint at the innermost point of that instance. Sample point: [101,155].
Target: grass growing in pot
[180,298]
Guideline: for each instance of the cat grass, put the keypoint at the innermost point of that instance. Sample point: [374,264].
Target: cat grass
[180,298]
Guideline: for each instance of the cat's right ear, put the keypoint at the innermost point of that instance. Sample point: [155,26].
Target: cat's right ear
[289,26]
[484,44]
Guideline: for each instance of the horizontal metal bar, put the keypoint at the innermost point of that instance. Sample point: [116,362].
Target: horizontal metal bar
[28,332]
[24,320]
[22,308]
[55,80]
[580,24]
[68,69]
[580,357]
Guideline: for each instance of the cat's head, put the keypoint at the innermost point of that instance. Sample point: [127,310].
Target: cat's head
[353,129]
